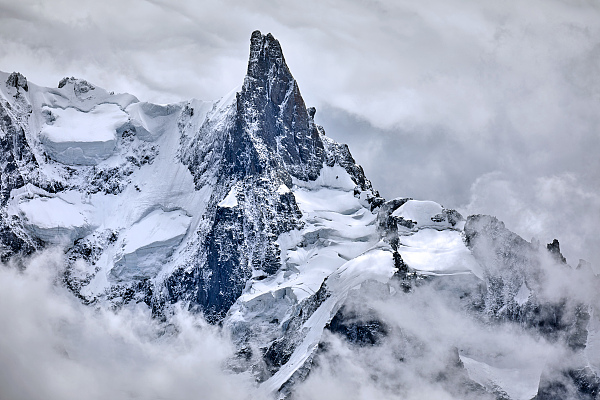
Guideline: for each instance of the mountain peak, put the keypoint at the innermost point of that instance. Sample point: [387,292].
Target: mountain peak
[272,113]
[266,58]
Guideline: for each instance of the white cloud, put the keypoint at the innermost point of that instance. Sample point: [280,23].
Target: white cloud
[544,207]
[54,347]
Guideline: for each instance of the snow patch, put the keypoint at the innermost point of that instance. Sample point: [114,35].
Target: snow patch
[522,295]
[53,220]
[283,189]
[421,212]
[334,177]
[150,120]
[440,252]
[376,264]
[230,200]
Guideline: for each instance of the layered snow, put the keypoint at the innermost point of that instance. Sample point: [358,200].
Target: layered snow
[439,252]
[165,184]
[334,177]
[51,219]
[433,246]
[422,213]
[337,228]
[339,247]
[75,137]
[376,264]
[519,383]
[150,120]
[148,243]
[80,126]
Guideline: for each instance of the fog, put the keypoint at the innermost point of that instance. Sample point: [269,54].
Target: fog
[54,347]
[430,326]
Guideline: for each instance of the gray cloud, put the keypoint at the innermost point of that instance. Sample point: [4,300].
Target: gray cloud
[54,347]
[428,328]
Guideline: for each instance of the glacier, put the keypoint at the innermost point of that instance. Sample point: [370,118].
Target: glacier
[242,209]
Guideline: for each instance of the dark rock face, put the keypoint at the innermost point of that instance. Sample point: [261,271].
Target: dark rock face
[357,329]
[17,80]
[268,139]
[15,156]
[554,249]
[272,113]
[240,242]
[80,86]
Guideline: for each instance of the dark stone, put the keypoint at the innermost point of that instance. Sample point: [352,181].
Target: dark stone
[270,137]
[63,82]
[357,329]
[554,249]
[15,154]
[272,113]
[16,80]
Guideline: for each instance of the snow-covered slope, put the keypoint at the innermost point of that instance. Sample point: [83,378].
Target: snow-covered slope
[243,209]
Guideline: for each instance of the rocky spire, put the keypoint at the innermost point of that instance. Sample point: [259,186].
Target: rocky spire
[267,68]
[554,249]
[272,113]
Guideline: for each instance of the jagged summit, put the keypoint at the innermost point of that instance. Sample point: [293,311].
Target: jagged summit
[272,113]
[266,57]
[17,80]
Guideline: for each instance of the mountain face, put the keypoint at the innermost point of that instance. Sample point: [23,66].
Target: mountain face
[244,210]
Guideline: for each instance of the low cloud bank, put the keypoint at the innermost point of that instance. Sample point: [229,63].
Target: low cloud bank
[439,345]
[54,347]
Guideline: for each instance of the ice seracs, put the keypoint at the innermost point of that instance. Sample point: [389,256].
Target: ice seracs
[148,243]
[53,220]
[150,120]
[74,137]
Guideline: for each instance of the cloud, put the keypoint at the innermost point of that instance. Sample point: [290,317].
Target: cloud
[427,330]
[54,347]
[543,207]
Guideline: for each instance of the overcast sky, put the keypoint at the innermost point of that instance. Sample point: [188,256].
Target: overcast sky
[487,107]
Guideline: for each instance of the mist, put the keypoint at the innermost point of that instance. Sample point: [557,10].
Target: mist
[489,108]
[54,347]
[437,345]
